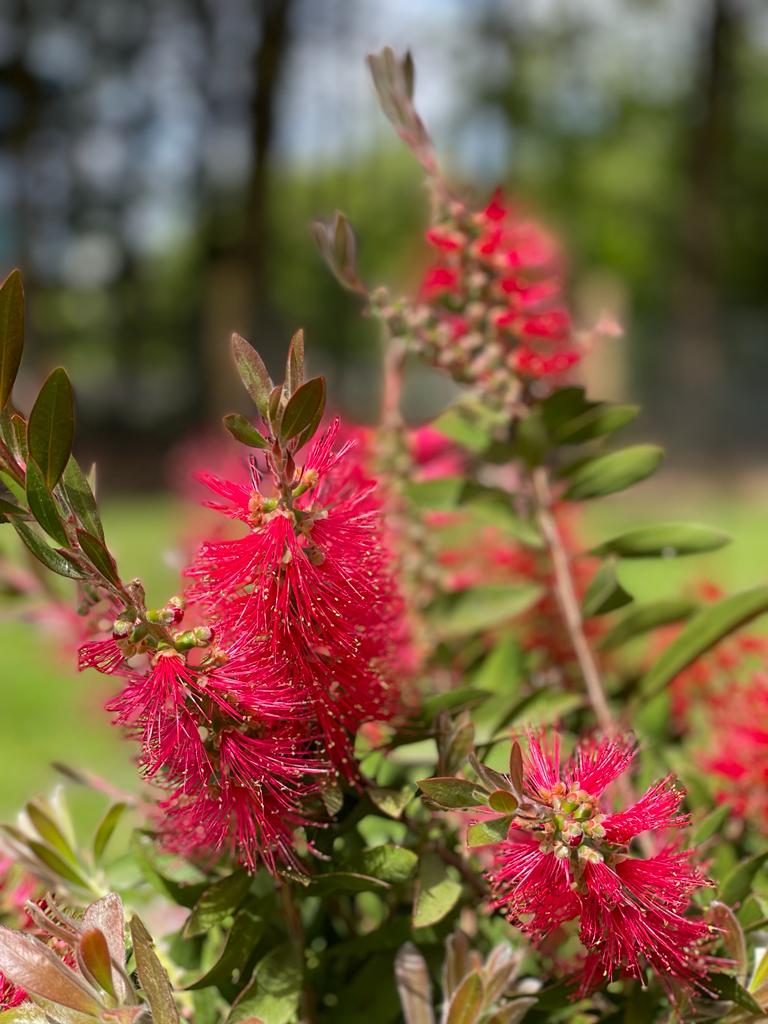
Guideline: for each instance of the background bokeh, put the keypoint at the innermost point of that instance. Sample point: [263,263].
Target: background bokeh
[160,161]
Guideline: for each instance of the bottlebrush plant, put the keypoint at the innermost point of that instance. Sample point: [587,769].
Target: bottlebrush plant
[410,749]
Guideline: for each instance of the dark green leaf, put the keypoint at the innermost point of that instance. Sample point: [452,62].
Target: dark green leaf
[152,977]
[727,987]
[737,883]
[664,540]
[99,556]
[645,617]
[51,559]
[253,372]
[452,792]
[242,940]
[599,421]
[11,333]
[345,881]
[703,632]
[482,608]
[605,593]
[106,827]
[49,831]
[391,802]
[274,994]
[78,493]
[43,506]
[616,471]
[502,802]
[218,902]
[388,863]
[51,427]
[488,833]
[60,867]
[244,432]
[8,508]
[305,407]
[436,892]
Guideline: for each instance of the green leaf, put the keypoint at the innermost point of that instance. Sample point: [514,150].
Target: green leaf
[51,426]
[274,993]
[502,802]
[604,593]
[391,802]
[51,559]
[703,632]
[99,556]
[613,472]
[305,408]
[645,617]
[469,426]
[253,372]
[242,941]
[345,881]
[760,974]
[599,421]
[441,493]
[467,1002]
[94,952]
[731,935]
[664,540]
[452,792]
[294,367]
[738,882]
[11,333]
[49,832]
[152,977]
[727,987]
[218,902]
[106,827]
[710,826]
[78,493]
[542,707]
[8,508]
[488,833]
[482,608]
[436,892]
[243,431]
[388,863]
[43,506]
[60,867]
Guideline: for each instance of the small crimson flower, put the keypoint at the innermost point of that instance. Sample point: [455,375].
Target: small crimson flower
[567,858]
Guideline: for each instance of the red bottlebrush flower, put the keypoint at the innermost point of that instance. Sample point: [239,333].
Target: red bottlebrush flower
[737,751]
[495,210]
[446,240]
[567,858]
[11,995]
[437,280]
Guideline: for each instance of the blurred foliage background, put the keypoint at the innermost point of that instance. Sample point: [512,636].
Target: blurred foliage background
[160,161]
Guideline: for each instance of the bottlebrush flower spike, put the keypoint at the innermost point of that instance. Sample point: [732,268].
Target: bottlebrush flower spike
[567,858]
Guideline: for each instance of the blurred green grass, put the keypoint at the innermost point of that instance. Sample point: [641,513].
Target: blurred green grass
[50,713]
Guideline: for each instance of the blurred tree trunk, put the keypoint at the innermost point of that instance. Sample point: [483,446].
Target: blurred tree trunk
[237,274]
[700,356]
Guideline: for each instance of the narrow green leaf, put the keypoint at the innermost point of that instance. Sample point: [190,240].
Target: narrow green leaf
[482,608]
[78,493]
[605,593]
[51,426]
[711,825]
[331,882]
[106,828]
[470,426]
[704,631]
[152,976]
[51,559]
[218,902]
[43,506]
[452,792]
[436,892]
[760,974]
[488,833]
[645,617]
[305,407]
[664,540]
[467,1002]
[253,372]
[294,367]
[56,863]
[49,831]
[246,932]
[737,883]
[389,863]
[391,802]
[11,332]
[244,432]
[613,472]
[599,421]
[440,494]
[8,508]
[99,556]
[727,987]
